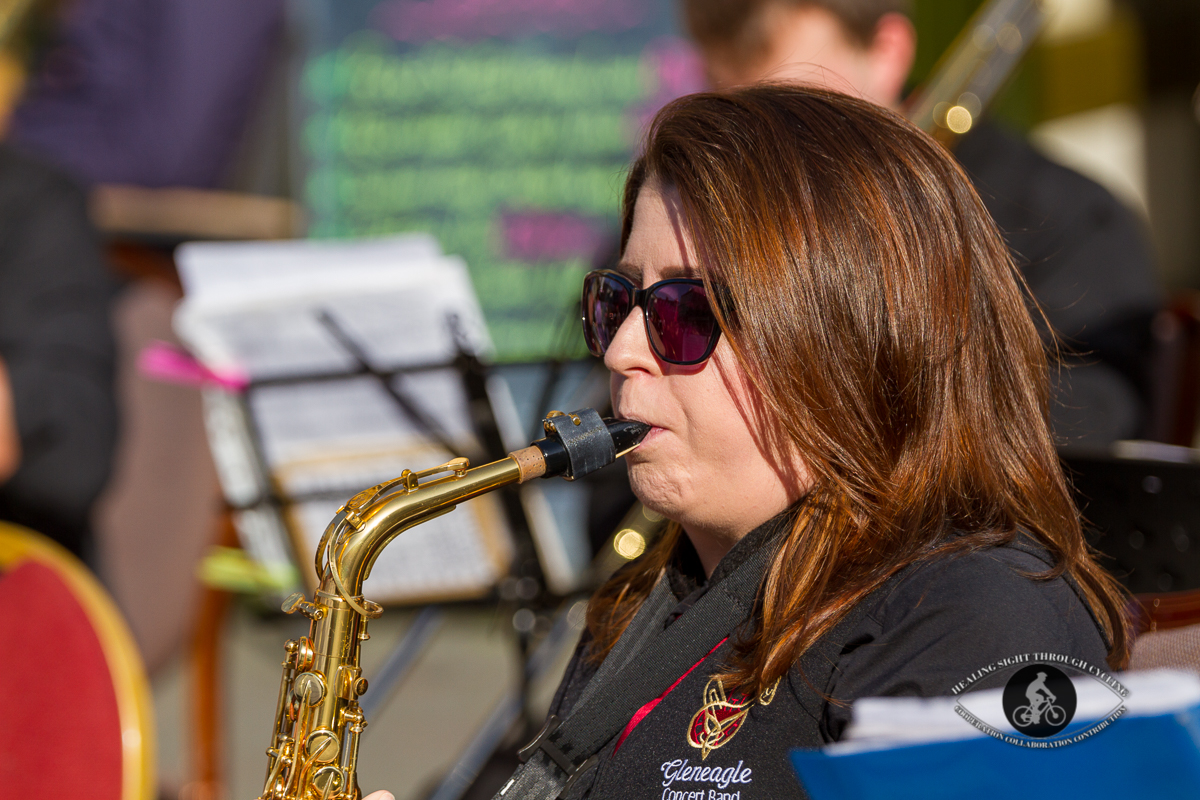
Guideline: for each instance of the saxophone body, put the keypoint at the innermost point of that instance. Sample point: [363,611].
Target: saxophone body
[318,721]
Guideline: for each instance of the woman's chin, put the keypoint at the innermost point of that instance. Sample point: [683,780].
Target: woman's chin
[654,490]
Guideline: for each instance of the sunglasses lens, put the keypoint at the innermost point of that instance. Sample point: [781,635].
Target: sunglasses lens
[682,325]
[606,303]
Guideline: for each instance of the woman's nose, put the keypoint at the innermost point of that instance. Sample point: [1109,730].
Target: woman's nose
[629,348]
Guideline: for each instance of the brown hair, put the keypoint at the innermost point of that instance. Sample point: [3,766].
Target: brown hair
[737,27]
[875,308]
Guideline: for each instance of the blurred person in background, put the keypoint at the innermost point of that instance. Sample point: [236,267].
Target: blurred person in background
[152,94]
[1082,253]
[58,415]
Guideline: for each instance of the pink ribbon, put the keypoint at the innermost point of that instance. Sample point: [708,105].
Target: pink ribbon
[163,361]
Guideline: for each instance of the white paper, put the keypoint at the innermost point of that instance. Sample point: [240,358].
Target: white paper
[314,424]
[225,272]
[400,312]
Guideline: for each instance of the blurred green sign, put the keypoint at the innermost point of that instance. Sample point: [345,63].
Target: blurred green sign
[503,127]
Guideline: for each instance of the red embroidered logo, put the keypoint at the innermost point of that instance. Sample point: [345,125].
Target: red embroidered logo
[721,716]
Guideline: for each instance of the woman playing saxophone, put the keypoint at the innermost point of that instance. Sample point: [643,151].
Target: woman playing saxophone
[848,408]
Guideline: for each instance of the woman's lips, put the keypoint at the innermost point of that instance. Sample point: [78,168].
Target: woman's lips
[637,418]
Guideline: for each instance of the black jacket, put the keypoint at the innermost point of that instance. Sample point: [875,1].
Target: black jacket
[56,340]
[926,630]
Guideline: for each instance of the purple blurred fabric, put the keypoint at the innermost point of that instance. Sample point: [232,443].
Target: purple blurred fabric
[149,92]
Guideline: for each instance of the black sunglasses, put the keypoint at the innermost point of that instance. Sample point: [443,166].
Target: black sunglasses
[680,324]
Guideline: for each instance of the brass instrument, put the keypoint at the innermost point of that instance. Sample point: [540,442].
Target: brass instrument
[318,721]
[975,67]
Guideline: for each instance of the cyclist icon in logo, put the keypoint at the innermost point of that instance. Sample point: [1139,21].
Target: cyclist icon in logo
[1041,699]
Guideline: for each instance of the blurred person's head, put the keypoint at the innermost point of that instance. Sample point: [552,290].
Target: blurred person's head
[860,47]
[25,28]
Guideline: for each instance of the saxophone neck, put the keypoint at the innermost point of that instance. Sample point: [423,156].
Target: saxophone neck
[576,444]
[367,527]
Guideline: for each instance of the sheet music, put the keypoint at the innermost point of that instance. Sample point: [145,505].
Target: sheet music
[401,310]
[223,273]
[305,321]
[299,423]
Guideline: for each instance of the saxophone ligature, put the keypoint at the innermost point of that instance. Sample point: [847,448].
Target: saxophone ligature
[318,720]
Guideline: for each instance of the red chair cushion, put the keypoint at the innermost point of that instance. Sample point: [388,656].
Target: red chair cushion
[60,733]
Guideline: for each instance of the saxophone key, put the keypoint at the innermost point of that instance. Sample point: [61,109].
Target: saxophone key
[309,687]
[322,745]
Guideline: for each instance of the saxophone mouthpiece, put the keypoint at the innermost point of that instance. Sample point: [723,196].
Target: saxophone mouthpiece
[626,433]
[577,444]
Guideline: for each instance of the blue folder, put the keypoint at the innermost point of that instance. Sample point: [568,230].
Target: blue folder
[1136,757]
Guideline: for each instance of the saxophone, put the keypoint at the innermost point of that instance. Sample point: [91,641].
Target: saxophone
[318,720]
